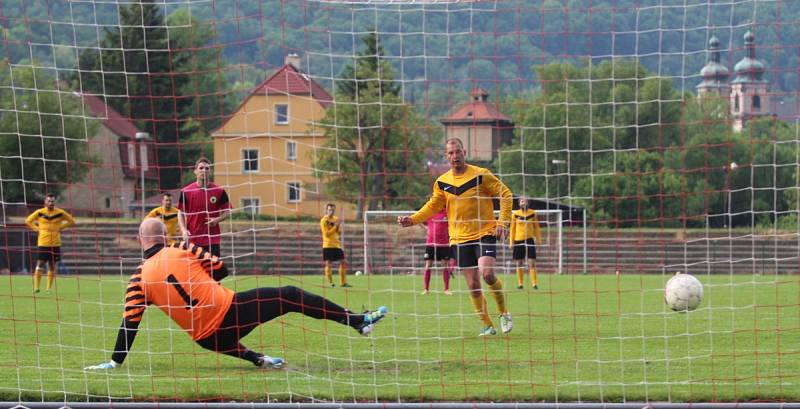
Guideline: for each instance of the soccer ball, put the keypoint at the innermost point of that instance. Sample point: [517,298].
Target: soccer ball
[683,292]
[358,273]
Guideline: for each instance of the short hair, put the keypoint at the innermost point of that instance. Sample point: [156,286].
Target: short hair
[166,194]
[200,160]
[455,140]
[53,195]
[330,205]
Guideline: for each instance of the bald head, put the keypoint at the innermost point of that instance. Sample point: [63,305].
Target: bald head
[151,232]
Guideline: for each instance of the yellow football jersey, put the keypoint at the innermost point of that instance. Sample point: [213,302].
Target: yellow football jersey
[524,226]
[170,219]
[49,223]
[330,232]
[469,200]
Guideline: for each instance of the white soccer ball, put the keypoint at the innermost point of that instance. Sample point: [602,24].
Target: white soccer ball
[358,273]
[683,292]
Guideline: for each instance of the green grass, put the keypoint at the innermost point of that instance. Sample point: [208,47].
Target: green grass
[578,338]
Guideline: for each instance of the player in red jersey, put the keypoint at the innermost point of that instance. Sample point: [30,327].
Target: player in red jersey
[203,205]
[183,281]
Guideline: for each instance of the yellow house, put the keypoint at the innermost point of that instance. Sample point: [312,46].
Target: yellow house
[264,153]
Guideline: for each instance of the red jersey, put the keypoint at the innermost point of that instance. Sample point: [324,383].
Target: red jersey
[200,205]
[437,230]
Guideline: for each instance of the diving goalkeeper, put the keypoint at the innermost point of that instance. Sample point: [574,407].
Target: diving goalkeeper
[183,281]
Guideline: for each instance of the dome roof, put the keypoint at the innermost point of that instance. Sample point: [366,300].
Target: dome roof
[715,70]
[749,68]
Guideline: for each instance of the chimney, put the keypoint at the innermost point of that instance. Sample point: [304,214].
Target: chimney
[292,58]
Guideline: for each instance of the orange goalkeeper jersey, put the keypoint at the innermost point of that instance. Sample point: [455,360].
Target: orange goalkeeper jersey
[180,281]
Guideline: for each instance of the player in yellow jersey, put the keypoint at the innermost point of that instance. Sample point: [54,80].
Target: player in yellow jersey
[524,236]
[169,216]
[48,223]
[468,193]
[331,228]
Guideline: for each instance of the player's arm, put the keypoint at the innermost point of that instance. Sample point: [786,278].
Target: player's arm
[152,213]
[182,217]
[69,221]
[512,230]
[135,304]
[435,204]
[537,231]
[211,263]
[30,221]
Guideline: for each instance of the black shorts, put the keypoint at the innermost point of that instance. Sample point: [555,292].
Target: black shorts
[437,253]
[524,249]
[48,254]
[467,254]
[332,254]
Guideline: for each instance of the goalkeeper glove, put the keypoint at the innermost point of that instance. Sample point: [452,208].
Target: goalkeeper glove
[103,366]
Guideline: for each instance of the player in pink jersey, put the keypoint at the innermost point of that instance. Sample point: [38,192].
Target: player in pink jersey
[437,248]
[203,205]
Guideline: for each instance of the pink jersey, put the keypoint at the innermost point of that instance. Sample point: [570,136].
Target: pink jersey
[437,230]
[198,206]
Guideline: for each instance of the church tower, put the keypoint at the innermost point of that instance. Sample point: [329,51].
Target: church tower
[749,90]
[715,75]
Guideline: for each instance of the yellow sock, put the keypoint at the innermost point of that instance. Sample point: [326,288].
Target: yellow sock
[328,274]
[499,297]
[534,279]
[520,277]
[479,303]
[342,275]
[51,278]
[37,279]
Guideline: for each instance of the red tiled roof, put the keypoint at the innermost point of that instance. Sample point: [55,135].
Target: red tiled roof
[288,80]
[480,111]
[111,118]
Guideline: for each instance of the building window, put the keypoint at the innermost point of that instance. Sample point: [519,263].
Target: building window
[281,114]
[131,156]
[291,150]
[250,160]
[251,205]
[293,192]
[108,203]
[736,103]
[756,103]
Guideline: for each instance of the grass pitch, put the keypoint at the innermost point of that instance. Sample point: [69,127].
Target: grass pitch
[577,338]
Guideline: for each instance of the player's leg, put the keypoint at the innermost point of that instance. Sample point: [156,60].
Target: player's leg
[486,266]
[531,261]
[466,256]
[520,273]
[450,265]
[226,341]
[343,270]
[37,272]
[327,272]
[426,278]
[51,271]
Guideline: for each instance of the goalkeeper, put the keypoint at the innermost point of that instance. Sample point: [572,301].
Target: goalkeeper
[468,192]
[183,281]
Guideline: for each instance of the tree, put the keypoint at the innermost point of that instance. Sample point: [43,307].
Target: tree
[44,144]
[374,152]
[160,72]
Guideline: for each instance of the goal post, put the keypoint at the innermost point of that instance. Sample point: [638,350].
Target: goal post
[388,250]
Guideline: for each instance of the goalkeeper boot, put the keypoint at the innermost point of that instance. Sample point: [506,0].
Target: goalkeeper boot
[505,323]
[488,331]
[370,318]
[269,362]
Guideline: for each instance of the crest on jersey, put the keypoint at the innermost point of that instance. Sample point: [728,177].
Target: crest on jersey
[213,199]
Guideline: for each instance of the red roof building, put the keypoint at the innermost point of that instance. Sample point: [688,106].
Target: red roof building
[480,125]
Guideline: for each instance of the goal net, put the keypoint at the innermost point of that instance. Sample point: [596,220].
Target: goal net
[651,136]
